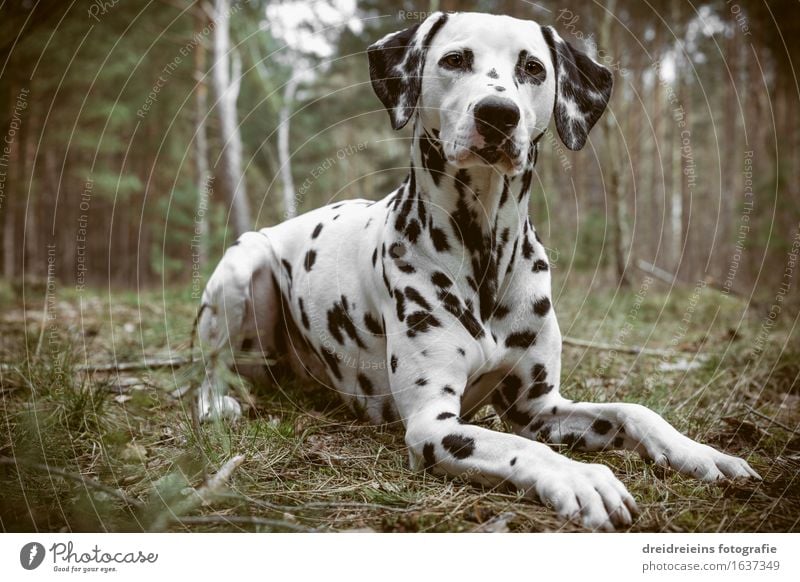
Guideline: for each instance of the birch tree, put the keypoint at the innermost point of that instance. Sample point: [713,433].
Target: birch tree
[227,79]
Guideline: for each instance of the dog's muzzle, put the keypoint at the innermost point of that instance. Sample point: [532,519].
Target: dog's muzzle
[496,119]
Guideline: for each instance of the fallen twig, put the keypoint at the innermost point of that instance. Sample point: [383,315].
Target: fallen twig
[497,524]
[628,349]
[771,420]
[147,364]
[672,280]
[242,520]
[156,363]
[203,495]
[86,481]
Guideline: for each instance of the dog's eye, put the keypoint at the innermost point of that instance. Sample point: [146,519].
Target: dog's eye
[534,67]
[453,60]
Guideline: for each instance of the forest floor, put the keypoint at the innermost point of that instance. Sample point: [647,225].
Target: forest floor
[117,451]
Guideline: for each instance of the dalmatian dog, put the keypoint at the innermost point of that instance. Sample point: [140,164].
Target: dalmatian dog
[435,301]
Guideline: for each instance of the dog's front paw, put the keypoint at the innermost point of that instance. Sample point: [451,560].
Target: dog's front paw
[698,460]
[223,408]
[588,494]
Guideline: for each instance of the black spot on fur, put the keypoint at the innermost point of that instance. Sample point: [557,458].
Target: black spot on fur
[303,314]
[500,311]
[339,320]
[527,248]
[539,386]
[421,322]
[421,382]
[541,306]
[510,389]
[386,281]
[372,324]
[505,398]
[461,351]
[400,302]
[428,456]
[374,257]
[513,255]
[311,257]
[393,363]
[452,304]
[573,441]
[441,280]
[365,383]
[415,296]
[288,268]
[601,426]
[406,268]
[493,74]
[527,178]
[521,339]
[439,239]
[513,461]
[432,157]
[619,441]
[317,230]
[412,231]
[445,416]
[459,446]
[448,390]
[540,265]
[333,363]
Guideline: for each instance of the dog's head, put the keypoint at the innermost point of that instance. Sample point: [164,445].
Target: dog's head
[488,86]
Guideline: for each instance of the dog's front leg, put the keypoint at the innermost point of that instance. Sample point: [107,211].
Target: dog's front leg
[530,401]
[427,385]
[592,426]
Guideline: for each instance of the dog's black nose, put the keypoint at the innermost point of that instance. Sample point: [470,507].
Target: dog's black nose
[496,118]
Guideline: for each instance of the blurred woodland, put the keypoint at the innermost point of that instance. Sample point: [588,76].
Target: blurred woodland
[139,138]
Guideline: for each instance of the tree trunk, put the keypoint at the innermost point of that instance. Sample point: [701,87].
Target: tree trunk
[611,126]
[226,86]
[284,154]
[201,142]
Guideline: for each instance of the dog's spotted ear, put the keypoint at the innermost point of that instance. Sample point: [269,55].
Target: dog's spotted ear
[583,88]
[395,67]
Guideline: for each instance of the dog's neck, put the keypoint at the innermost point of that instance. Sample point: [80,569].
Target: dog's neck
[476,210]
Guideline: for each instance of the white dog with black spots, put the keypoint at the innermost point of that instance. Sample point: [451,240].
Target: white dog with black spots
[427,305]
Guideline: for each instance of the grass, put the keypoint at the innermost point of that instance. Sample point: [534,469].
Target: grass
[309,466]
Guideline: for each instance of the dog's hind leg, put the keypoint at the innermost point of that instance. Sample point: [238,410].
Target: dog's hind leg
[239,312]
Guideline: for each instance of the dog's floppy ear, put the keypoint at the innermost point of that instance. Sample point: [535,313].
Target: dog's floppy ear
[583,88]
[395,67]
